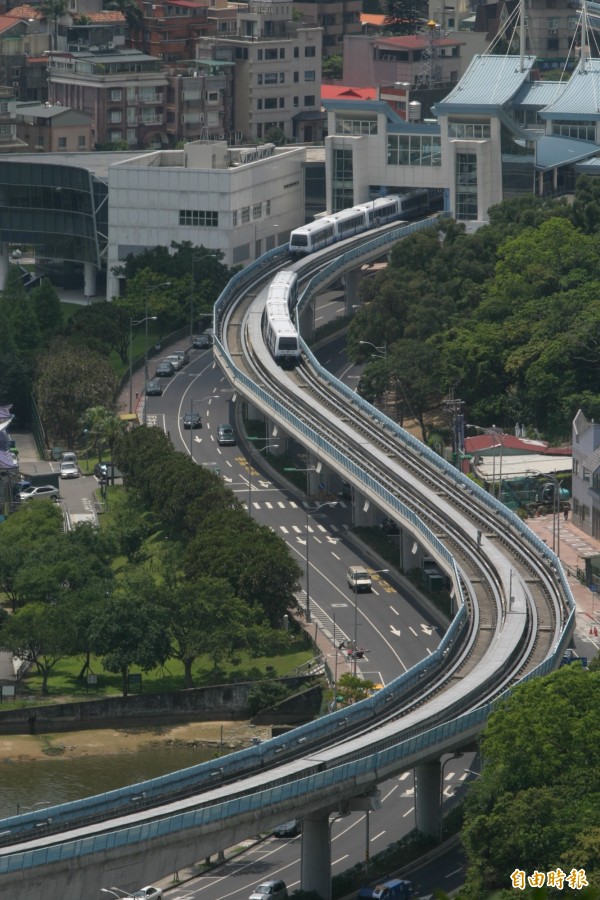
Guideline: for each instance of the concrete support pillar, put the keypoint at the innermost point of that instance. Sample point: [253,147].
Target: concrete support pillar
[555,179]
[3,264]
[540,184]
[315,863]
[352,281]
[307,320]
[314,477]
[427,791]
[361,511]
[89,279]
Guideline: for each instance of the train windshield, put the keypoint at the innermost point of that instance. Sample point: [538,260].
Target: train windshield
[300,240]
[288,343]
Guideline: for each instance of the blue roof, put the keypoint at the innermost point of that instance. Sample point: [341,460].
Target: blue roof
[589,166]
[489,82]
[553,151]
[538,93]
[580,99]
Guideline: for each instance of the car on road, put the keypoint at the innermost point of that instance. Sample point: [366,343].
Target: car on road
[225,435]
[274,889]
[358,579]
[147,893]
[69,470]
[68,456]
[175,360]
[39,492]
[153,389]
[288,829]
[192,420]
[165,369]
[202,342]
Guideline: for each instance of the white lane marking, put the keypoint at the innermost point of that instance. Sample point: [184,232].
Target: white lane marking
[377,836]
[284,529]
[413,631]
[395,611]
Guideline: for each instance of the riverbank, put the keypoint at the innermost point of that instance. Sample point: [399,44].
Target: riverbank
[226,736]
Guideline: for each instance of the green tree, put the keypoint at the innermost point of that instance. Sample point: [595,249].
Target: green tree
[17,311]
[70,380]
[41,634]
[30,527]
[52,10]
[102,427]
[540,781]
[103,327]
[46,305]
[333,66]
[205,617]
[129,628]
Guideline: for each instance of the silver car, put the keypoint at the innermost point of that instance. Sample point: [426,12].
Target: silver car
[69,470]
[39,491]
[274,889]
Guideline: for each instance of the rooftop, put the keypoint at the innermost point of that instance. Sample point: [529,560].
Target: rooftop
[490,81]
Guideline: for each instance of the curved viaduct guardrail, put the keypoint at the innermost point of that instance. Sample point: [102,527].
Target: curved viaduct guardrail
[350,777]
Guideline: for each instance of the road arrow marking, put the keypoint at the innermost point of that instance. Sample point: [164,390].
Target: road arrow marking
[427,629]
[395,631]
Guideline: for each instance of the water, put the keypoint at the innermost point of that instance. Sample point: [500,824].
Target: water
[39,783]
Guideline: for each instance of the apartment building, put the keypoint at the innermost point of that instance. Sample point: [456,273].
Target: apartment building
[169,29]
[336,18]
[199,103]
[277,75]
[122,90]
[50,129]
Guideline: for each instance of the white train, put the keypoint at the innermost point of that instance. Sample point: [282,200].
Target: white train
[316,235]
[281,336]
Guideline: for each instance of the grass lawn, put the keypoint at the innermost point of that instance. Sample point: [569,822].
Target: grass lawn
[63,681]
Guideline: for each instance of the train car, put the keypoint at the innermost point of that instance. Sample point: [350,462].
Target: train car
[284,287]
[349,222]
[281,336]
[414,204]
[312,237]
[382,210]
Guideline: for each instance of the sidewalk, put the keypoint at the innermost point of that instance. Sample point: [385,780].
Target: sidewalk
[574,546]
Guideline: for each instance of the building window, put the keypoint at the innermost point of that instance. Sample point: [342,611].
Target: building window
[199,218]
[296,101]
[245,215]
[131,136]
[242,53]
[469,131]
[342,181]
[585,475]
[355,126]
[267,207]
[270,53]
[309,100]
[309,51]
[260,55]
[62,143]
[281,102]
[296,77]
[414,150]
[270,77]
[115,116]
[131,94]
[581,131]
[466,186]
[15,72]
[270,102]
[259,104]
[235,218]
[257,211]
[296,52]
[81,143]
[115,137]
[116,94]
[282,53]
[309,75]
[259,130]
[259,79]
[282,78]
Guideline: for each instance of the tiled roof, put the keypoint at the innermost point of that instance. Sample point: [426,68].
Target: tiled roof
[8,22]
[412,42]
[553,150]
[371,19]
[580,98]
[25,12]
[490,81]
[340,92]
[107,15]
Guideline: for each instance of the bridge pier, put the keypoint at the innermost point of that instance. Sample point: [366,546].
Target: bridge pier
[427,799]
[315,863]
[351,283]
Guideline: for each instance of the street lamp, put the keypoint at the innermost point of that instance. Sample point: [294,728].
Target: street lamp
[381,351]
[355,588]
[316,469]
[201,400]
[454,756]
[312,510]
[496,432]
[555,507]
[133,322]
[146,320]
[266,445]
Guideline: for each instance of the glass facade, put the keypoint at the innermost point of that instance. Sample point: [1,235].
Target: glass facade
[342,181]
[355,126]
[581,131]
[466,186]
[414,150]
[51,207]
[469,131]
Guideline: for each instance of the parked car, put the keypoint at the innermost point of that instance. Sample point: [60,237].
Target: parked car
[153,389]
[165,369]
[192,420]
[288,829]
[225,435]
[202,342]
[147,892]
[69,470]
[68,456]
[175,360]
[274,889]
[39,491]
[183,355]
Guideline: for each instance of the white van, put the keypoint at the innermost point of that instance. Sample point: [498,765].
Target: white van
[358,579]
[183,356]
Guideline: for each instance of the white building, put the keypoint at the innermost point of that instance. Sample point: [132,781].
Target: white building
[241,201]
